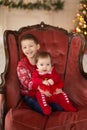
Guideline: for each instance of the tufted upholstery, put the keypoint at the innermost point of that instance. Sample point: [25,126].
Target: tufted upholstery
[67,51]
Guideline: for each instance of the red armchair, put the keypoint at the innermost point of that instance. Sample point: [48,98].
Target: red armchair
[67,51]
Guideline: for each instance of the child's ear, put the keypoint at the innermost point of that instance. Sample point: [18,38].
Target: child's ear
[38,46]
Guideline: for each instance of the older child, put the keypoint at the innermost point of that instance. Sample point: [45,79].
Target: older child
[46,78]
[25,68]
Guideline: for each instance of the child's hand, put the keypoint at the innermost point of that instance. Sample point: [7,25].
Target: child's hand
[47,93]
[58,91]
[45,82]
[51,82]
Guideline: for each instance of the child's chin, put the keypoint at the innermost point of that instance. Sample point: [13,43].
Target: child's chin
[44,72]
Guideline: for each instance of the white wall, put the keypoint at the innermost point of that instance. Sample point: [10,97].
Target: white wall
[14,19]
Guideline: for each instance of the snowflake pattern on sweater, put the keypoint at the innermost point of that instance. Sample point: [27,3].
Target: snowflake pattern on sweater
[24,72]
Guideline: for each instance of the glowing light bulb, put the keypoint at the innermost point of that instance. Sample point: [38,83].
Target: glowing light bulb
[78,29]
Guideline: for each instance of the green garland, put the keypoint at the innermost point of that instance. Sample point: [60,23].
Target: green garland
[58,5]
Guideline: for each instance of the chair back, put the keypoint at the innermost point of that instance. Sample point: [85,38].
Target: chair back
[52,39]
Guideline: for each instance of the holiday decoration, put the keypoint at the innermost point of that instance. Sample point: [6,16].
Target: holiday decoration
[34,4]
[81,18]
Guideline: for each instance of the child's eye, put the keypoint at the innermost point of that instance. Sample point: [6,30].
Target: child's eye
[41,64]
[24,47]
[48,64]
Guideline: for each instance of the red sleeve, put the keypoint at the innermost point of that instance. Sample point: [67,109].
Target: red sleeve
[36,79]
[57,79]
[24,76]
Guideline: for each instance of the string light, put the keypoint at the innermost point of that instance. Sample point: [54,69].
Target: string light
[81,18]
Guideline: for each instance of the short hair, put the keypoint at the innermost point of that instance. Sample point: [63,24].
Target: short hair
[30,37]
[43,54]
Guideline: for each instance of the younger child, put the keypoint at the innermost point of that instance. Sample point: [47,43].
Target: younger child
[46,78]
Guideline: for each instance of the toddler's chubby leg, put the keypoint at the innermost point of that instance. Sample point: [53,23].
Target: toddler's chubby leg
[43,103]
[63,100]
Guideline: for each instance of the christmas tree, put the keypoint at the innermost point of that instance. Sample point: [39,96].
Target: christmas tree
[81,18]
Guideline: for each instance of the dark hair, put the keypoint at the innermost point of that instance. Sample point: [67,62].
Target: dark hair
[43,54]
[30,37]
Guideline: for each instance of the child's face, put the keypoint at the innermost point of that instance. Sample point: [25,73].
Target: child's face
[44,65]
[29,48]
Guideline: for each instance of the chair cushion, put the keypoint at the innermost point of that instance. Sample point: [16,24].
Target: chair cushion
[68,121]
[24,119]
